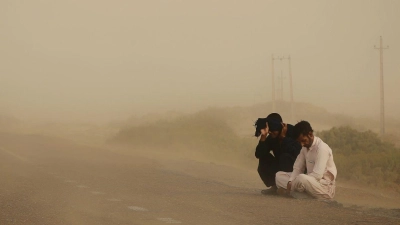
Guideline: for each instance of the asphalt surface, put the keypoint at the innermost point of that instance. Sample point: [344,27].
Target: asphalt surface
[52,181]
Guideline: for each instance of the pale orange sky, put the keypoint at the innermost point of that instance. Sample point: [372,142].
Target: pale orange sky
[103,60]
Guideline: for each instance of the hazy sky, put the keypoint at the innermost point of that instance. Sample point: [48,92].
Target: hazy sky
[98,60]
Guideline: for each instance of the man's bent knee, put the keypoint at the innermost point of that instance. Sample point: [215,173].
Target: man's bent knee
[302,178]
[286,162]
[301,182]
[281,179]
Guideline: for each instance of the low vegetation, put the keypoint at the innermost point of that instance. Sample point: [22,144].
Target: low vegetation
[201,133]
[360,156]
[363,156]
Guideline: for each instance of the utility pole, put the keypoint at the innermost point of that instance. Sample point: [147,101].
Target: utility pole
[281,89]
[381,48]
[279,92]
[278,89]
[291,90]
[273,84]
[281,80]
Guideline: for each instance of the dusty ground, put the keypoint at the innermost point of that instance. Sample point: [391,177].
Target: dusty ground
[51,181]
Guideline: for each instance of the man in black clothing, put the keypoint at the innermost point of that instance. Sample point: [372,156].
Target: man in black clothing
[278,138]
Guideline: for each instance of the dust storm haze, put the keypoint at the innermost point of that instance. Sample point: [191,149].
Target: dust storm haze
[100,60]
[122,112]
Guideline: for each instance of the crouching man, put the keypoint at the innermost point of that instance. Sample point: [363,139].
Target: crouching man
[317,158]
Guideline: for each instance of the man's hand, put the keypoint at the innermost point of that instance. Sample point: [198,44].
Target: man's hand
[264,133]
[288,187]
[284,131]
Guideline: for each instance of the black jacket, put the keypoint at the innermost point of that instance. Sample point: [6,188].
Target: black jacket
[288,145]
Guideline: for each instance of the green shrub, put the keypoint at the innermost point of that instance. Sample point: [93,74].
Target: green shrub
[363,156]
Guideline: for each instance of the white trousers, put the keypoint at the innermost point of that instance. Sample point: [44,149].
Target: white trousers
[322,189]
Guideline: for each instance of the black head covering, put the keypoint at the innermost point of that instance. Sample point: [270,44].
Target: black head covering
[274,122]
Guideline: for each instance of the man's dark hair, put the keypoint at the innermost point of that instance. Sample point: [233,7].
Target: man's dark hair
[274,122]
[302,127]
[274,116]
[261,123]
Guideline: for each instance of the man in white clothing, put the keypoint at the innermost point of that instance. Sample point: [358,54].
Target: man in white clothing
[317,158]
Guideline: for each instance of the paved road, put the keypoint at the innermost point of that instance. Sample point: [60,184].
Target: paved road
[50,181]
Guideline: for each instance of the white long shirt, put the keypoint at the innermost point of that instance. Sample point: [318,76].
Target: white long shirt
[318,160]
